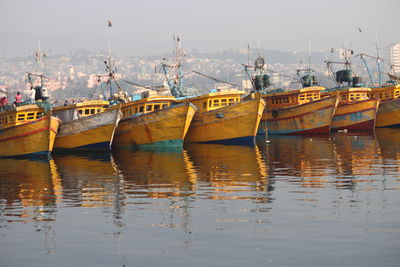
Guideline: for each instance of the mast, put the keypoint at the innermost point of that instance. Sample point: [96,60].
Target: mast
[176,83]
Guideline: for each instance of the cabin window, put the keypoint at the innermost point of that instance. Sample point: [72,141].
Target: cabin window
[98,110]
[164,105]
[156,107]
[135,110]
[224,102]
[130,111]
[204,104]
[21,117]
[343,97]
[397,93]
[386,94]
[80,112]
[231,100]
[11,118]
[141,109]
[87,111]
[39,115]
[380,95]
[92,111]
[237,100]
[149,107]
[216,103]
[302,97]
[30,116]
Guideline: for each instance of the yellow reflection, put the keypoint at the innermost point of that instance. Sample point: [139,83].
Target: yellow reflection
[231,170]
[88,180]
[156,174]
[307,160]
[389,144]
[30,188]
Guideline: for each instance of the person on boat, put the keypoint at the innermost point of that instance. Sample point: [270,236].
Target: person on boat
[18,99]
[38,93]
[3,102]
[32,95]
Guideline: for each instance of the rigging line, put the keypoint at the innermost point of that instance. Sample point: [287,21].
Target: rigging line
[212,78]
[284,75]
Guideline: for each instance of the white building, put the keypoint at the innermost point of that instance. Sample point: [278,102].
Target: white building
[395,57]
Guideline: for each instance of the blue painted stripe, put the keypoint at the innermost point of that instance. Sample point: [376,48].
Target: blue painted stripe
[165,144]
[42,154]
[96,146]
[244,141]
[390,126]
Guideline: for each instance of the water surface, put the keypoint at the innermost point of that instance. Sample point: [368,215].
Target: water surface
[289,201]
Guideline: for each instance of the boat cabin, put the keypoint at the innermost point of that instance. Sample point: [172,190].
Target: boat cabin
[20,115]
[215,100]
[146,105]
[385,92]
[352,94]
[293,98]
[91,107]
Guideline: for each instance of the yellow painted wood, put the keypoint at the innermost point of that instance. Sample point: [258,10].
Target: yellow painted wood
[86,132]
[31,137]
[229,122]
[388,113]
[158,126]
[362,111]
[301,118]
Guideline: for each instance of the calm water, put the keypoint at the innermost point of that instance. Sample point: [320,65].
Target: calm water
[293,201]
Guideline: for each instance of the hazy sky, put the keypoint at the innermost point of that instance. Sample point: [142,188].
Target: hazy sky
[146,27]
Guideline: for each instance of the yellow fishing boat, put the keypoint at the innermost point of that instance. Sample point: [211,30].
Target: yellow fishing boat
[27,131]
[356,111]
[223,118]
[88,125]
[388,114]
[153,122]
[297,112]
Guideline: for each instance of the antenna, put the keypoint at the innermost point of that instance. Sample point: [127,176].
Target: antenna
[377,60]
[309,57]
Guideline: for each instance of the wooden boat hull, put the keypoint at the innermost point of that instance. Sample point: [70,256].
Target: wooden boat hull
[31,139]
[311,118]
[162,128]
[356,116]
[388,114]
[233,124]
[93,132]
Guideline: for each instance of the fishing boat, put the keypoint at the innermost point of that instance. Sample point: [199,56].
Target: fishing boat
[356,111]
[153,122]
[299,112]
[87,125]
[388,114]
[293,112]
[27,131]
[223,118]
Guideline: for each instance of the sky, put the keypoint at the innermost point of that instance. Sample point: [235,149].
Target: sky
[146,27]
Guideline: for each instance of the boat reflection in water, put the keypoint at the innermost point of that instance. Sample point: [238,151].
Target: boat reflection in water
[88,179]
[30,189]
[343,159]
[389,145]
[230,172]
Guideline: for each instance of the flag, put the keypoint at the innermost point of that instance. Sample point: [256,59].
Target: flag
[109,23]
